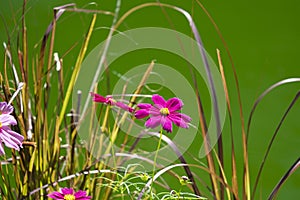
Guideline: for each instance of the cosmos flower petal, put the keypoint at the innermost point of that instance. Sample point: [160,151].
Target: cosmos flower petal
[81,195]
[159,100]
[8,141]
[7,120]
[174,104]
[2,106]
[179,121]
[166,124]
[98,98]
[124,106]
[56,195]
[11,136]
[154,111]
[184,117]
[144,105]
[84,198]
[67,191]
[5,108]
[141,113]
[13,133]
[153,122]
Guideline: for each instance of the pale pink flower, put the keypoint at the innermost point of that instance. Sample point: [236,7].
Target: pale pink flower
[10,138]
[5,108]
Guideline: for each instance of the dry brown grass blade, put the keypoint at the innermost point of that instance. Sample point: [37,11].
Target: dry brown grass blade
[220,156]
[223,176]
[246,179]
[25,48]
[5,83]
[23,60]
[212,90]
[209,157]
[58,14]
[210,161]
[233,160]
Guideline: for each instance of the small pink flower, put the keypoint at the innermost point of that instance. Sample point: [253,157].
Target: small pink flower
[5,109]
[10,138]
[110,101]
[69,194]
[163,112]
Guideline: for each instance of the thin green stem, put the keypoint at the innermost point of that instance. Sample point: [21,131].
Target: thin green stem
[154,161]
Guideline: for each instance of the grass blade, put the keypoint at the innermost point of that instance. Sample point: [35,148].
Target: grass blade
[284,178]
[246,180]
[267,91]
[76,70]
[272,140]
[233,160]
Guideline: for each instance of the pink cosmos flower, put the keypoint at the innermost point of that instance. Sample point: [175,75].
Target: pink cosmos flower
[110,101]
[10,138]
[69,194]
[163,112]
[5,109]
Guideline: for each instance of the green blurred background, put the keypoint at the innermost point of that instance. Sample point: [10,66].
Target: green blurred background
[263,39]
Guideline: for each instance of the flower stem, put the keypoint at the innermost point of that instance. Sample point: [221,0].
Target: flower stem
[154,161]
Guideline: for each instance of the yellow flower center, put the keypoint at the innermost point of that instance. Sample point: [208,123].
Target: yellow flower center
[0,124]
[164,111]
[69,197]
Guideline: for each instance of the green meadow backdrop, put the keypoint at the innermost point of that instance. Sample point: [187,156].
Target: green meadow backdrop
[262,37]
